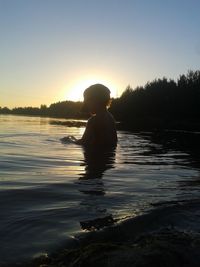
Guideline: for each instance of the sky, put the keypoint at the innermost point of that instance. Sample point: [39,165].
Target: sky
[51,50]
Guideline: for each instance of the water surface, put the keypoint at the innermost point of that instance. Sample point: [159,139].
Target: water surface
[50,191]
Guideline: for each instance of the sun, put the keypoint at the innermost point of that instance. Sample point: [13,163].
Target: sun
[75,92]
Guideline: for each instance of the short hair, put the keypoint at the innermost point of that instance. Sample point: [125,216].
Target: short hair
[98,93]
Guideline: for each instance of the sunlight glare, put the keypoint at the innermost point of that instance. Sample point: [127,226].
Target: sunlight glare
[75,92]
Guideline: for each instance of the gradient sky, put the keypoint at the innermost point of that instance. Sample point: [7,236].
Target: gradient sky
[51,49]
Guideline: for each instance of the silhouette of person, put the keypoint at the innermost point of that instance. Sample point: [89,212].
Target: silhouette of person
[101,128]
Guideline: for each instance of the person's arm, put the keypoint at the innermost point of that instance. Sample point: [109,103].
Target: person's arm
[88,135]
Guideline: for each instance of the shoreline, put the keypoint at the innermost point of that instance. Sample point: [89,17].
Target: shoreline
[165,236]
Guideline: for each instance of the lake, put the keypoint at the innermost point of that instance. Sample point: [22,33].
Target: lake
[51,191]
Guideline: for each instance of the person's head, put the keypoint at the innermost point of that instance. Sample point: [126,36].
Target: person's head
[96,97]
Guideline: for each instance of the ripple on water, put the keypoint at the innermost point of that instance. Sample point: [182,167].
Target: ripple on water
[50,190]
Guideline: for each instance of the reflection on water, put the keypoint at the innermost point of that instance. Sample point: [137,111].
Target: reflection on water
[96,161]
[50,190]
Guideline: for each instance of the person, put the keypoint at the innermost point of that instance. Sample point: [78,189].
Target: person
[101,128]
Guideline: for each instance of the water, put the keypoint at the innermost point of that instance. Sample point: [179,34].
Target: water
[50,191]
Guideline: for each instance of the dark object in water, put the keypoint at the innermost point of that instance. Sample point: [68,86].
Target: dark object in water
[98,223]
[70,123]
[68,139]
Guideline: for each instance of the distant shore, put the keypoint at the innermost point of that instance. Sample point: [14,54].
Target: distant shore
[137,124]
[160,104]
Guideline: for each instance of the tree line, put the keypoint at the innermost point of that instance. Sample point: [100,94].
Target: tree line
[63,109]
[160,103]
